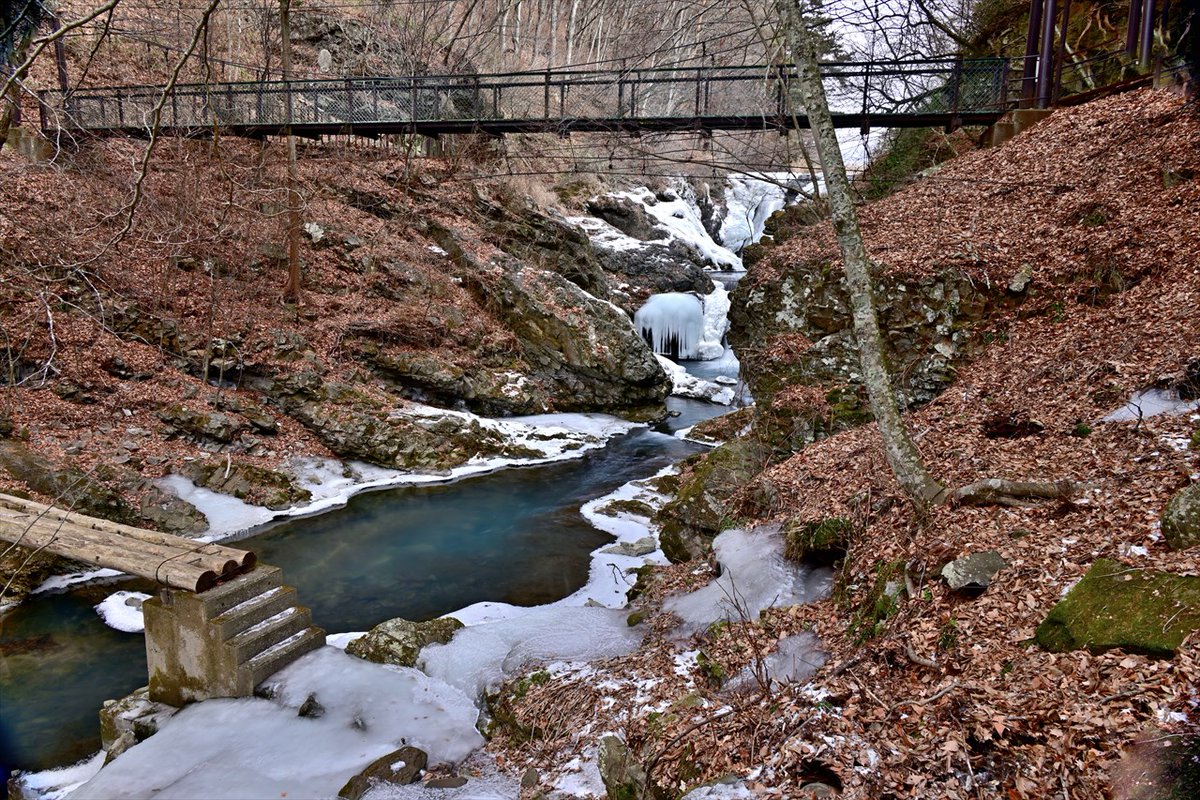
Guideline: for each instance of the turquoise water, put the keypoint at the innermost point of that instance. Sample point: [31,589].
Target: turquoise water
[514,536]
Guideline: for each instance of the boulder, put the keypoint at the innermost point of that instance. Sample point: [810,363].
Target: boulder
[623,776]
[214,425]
[399,641]
[974,572]
[641,547]
[585,351]
[400,767]
[245,481]
[627,216]
[1181,518]
[1114,607]
[134,715]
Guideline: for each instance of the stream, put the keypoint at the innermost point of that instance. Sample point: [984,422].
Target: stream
[515,536]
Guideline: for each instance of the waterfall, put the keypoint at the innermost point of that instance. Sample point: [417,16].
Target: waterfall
[672,324]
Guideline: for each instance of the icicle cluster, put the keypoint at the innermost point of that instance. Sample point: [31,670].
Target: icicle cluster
[672,324]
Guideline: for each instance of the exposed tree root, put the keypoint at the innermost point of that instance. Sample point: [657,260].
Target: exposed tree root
[997,491]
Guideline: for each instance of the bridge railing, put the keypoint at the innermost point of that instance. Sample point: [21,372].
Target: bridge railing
[931,87]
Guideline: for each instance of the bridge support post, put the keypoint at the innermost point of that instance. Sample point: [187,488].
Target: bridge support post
[224,642]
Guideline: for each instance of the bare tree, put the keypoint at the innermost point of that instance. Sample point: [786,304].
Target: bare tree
[902,454]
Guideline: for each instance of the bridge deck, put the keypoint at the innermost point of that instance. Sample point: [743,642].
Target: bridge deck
[891,94]
[171,560]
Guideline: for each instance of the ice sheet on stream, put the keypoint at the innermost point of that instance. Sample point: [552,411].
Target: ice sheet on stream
[754,576]
[252,747]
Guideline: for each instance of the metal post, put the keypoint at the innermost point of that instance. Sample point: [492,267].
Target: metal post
[1029,70]
[1045,54]
[699,73]
[1132,27]
[955,95]
[547,98]
[864,126]
[1148,32]
[1061,58]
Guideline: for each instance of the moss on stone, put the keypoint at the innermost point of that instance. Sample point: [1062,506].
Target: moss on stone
[868,617]
[1181,518]
[1114,607]
[824,542]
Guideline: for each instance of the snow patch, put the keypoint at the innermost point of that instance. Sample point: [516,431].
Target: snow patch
[684,384]
[754,576]
[55,784]
[369,709]
[122,611]
[1151,403]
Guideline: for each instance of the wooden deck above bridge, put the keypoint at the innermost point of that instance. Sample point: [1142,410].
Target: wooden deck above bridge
[938,92]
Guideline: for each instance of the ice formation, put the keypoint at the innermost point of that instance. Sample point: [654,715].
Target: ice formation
[479,657]
[716,324]
[754,576]
[1151,403]
[251,747]
[672,324]
[795,658]
[749,202]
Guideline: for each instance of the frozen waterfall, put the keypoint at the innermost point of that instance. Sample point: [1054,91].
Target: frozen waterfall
[672,324]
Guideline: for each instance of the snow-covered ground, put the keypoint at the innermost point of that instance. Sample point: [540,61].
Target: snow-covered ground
[679,217]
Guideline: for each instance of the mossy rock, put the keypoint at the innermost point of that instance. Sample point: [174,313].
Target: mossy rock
[1181,518]
[399,641]
[256,485]
[823,543]
[699,510]
[1114,607]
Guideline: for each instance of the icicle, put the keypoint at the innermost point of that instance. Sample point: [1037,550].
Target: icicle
[672,324]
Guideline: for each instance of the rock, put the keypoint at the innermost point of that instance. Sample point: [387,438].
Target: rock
[1112,606]
[641,547]
[590,359]
[400,767]
[817,791]
[448,782]
[122,743]
[71,487]
[1181,518]
[697,512]
[974,572]
[245,481]
[313,231]
[311,708]
[530,779]
[1021,280]
[623,776]
[797,330]
[399,641]
[627,216]
[135,714]
[215,425]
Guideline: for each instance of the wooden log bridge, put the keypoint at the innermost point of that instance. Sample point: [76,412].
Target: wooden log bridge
[173,561]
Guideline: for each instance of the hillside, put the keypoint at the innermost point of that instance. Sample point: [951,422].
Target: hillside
[929,692]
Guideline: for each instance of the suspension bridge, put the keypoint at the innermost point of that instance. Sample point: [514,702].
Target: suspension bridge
[917,93]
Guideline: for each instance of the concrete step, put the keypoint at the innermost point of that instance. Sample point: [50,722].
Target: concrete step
[268,633]
[220,599]
[278,656]
[255,610]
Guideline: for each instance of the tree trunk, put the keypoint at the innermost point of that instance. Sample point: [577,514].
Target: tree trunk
[291,290]
[903,456]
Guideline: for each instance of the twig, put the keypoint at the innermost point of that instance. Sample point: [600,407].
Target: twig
[916,658]
[932,698]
